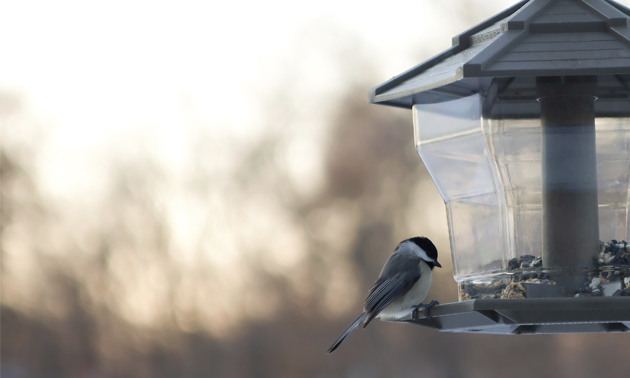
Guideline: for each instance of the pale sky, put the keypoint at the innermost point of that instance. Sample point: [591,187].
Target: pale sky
[102,73]
[121,64]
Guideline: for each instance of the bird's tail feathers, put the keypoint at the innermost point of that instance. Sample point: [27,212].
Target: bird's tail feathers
[347,332]
[370,318]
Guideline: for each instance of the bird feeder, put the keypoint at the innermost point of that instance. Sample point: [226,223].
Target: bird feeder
[524,126]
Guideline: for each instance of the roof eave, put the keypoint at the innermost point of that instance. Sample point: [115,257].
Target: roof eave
[460,43]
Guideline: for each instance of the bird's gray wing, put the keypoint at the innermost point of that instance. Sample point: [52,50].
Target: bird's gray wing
[400,273]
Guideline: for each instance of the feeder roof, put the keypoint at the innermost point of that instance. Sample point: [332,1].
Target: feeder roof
[532,38]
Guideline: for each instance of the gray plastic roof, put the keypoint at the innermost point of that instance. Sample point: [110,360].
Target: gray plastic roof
[532,38]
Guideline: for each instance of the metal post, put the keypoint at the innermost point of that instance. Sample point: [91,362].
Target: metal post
[569,174]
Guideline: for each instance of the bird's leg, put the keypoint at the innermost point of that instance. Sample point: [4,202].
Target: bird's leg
[431,304]
[426,308]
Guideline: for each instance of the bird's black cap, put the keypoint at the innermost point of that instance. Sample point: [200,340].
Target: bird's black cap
[427,245]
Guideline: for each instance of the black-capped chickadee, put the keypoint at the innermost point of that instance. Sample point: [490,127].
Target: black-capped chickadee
[402,285]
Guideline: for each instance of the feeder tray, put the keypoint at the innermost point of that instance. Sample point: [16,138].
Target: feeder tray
[530,316]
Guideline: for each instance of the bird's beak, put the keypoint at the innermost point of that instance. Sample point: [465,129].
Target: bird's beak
[437,264]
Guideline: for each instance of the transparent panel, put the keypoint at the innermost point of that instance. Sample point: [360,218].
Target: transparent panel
[476,235]
[456,156]
[455,152]
[613,176]
[516,148]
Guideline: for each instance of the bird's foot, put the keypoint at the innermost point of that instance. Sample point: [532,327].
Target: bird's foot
[426,308]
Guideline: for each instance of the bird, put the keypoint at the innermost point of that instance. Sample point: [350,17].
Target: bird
[402,285]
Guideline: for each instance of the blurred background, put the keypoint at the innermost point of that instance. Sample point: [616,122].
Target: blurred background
[200,189]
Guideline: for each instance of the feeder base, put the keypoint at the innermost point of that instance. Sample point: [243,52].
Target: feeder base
[529,316]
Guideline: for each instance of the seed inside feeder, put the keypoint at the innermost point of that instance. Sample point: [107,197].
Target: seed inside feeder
[525,277]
